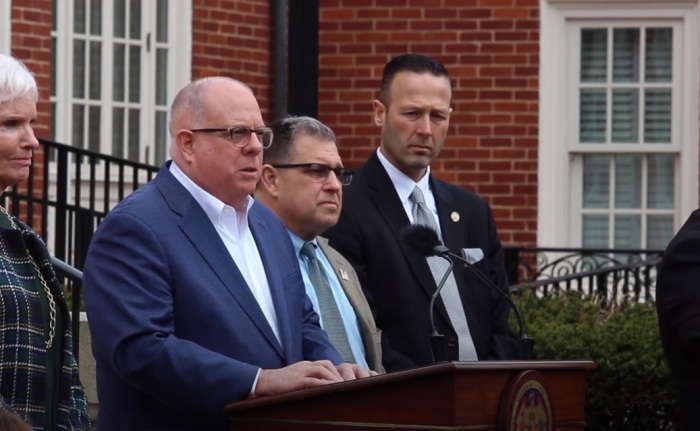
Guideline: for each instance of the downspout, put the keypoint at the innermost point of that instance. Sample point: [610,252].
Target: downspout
[279,89]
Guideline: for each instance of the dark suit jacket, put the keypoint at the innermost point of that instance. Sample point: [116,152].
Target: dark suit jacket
[678,305]
[398,281]
[176,332]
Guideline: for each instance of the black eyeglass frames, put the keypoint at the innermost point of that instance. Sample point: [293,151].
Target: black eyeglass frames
[320,172]
[240,135]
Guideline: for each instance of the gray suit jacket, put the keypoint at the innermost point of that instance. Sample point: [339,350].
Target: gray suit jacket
[371,336]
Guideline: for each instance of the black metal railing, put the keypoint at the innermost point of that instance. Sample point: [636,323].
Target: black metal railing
[67,196]
[72,279]
[609,275]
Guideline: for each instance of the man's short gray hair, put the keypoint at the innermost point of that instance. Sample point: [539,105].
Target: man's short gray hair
[286,131]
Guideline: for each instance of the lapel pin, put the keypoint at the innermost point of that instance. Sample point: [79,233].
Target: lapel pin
[454,216]
[344,275]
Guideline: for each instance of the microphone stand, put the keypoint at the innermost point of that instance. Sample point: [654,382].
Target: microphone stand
[527,343]
[425,241]
[437,340]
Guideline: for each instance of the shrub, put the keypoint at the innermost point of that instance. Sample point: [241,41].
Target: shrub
[630,389]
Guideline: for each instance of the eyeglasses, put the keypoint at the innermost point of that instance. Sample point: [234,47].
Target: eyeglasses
[319,172]
[240,135]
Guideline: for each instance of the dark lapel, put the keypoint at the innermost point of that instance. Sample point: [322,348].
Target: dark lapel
[383,195]
[198,228]
[452,219]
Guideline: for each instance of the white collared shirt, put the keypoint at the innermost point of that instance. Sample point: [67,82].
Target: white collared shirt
[404,187]
[232,227]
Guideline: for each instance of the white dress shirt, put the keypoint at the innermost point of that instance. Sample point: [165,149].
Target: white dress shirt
[404,187]
[232,227]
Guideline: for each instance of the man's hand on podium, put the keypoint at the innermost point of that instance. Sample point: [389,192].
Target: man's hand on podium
[307,374]
[353,371]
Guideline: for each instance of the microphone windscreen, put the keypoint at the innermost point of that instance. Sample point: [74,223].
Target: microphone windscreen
[421,239]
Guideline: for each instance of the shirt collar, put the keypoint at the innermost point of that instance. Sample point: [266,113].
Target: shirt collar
[211,205]
[402,183]
[298,242]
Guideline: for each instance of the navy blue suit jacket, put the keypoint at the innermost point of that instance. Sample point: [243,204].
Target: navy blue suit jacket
[398,282]
[678,305]
[176,332]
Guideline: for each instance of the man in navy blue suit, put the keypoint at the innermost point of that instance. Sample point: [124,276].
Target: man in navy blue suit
[194,293]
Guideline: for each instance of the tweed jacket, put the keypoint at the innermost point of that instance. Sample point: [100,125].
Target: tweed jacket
[22,340]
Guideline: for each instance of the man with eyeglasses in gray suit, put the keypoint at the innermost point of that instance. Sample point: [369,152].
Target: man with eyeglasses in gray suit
[302,182]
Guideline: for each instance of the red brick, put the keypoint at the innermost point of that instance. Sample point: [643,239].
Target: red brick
[326,14]
[517,14]
[496,24]
[496,142]
[496,3]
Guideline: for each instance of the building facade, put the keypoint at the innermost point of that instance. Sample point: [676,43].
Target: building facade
[576,119]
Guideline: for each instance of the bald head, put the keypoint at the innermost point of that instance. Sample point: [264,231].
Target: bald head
[201,144]
[190,102]
[188,109]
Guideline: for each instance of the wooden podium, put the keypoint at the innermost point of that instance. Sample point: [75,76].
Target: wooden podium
[483,395]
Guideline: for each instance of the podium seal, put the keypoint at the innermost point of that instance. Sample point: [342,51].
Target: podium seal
[525,404]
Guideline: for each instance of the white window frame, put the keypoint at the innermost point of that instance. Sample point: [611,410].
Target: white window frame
[556,222]
[6,29]
[180,70]
[179,74]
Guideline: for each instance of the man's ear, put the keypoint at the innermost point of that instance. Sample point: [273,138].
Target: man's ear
[185,144]
[269,180]
[379,112]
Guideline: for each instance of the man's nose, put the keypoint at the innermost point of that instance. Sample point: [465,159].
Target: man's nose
[425,126]
[333,181]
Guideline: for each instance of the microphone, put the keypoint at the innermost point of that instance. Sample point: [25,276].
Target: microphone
[426,242]
[423,245]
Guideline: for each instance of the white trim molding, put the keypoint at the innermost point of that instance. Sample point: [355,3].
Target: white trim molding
[6,26]
[556,129]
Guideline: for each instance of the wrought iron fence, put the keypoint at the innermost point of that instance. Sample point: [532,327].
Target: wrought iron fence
[609,275]
[68,193]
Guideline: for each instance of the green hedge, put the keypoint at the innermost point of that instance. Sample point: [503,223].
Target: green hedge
[630,389]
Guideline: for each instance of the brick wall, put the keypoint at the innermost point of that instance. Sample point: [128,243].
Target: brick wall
[490,47]
[31,42]
[234,38]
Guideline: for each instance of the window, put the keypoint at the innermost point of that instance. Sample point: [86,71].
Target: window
[625,152]
[117,66]
[625,131]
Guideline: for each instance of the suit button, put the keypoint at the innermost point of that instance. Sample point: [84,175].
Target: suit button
[452,341]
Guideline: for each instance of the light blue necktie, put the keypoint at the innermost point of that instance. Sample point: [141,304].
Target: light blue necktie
[332,321]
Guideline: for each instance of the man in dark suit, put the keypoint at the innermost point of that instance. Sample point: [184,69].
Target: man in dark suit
[302,182]
[678,305]
[413,111]
[194,294]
